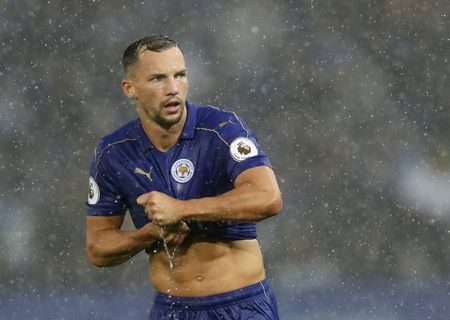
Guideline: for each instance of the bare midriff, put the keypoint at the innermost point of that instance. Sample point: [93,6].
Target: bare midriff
[205,267]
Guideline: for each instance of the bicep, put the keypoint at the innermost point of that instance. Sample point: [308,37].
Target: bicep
[260,186]
[260,177]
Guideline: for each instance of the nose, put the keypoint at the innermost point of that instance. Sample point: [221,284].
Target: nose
[172,87]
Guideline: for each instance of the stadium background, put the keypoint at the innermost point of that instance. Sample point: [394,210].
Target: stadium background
[350,100]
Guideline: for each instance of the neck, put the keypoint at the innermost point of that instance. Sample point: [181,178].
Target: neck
[162,138]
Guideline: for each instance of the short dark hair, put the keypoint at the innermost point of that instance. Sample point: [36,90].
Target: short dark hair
[156,42]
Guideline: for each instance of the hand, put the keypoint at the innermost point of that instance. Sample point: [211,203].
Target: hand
[161,209]
[175,233]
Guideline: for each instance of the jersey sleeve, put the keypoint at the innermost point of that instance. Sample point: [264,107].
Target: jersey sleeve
[244,151]
[104,198]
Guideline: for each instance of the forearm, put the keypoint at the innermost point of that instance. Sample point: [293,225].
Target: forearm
[246,202]
[112,247]
[255,196]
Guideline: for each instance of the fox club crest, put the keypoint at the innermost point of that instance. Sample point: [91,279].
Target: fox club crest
[182,170]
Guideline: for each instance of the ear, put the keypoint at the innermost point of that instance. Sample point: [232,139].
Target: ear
[128,89]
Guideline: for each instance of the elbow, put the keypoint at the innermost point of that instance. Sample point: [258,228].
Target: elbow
[276,205]
[273,204]
[94,257]
[96,262]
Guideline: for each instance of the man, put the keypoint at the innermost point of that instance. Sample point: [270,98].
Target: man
[194,180]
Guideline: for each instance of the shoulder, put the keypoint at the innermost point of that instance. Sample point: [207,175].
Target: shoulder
[214,117]
[118,138]
[224,123]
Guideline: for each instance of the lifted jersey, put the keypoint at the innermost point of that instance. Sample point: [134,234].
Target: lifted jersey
[213,149]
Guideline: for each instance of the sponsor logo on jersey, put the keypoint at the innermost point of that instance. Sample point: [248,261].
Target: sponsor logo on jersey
[142,172]
[243,148]
[182,170]
[94,191]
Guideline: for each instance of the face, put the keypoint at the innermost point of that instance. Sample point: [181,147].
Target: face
[158,82]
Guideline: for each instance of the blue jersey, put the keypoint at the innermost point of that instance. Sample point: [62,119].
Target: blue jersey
[213,149]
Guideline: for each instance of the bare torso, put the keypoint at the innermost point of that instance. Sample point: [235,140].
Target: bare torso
[205,267]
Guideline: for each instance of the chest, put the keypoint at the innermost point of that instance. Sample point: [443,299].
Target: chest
[188,170]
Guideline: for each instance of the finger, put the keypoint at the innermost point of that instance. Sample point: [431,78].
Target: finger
[167,230]
[156,221]
[178,240]
[185,229]
[161,222]
[182,224]
[170,228]
[174,239]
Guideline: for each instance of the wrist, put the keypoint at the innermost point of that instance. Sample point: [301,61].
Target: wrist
[188,210]
[148,234]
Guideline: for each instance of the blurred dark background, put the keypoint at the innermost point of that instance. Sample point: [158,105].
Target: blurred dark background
[350,100]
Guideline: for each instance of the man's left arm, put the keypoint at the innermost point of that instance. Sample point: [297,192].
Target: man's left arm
[255,196]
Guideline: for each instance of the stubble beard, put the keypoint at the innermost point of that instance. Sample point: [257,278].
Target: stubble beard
[166,122]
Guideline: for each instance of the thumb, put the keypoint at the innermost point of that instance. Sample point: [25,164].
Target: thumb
[142,199]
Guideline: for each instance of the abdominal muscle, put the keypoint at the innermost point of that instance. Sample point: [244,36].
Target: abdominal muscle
[205,267]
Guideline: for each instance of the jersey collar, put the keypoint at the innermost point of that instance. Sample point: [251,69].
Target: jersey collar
[191,120]
[187,133]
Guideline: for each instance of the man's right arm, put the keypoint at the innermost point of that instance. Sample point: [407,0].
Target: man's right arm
[108,245]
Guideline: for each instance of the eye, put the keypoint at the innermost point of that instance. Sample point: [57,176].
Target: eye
[156,78]
[180,75]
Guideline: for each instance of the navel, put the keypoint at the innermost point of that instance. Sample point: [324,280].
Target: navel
[199,278]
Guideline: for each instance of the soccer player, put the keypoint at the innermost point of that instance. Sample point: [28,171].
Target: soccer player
[194,180]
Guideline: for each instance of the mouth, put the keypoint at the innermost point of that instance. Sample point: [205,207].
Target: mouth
[172,106]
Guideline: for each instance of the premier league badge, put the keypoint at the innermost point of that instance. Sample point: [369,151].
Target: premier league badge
[242,148]
[94,191]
